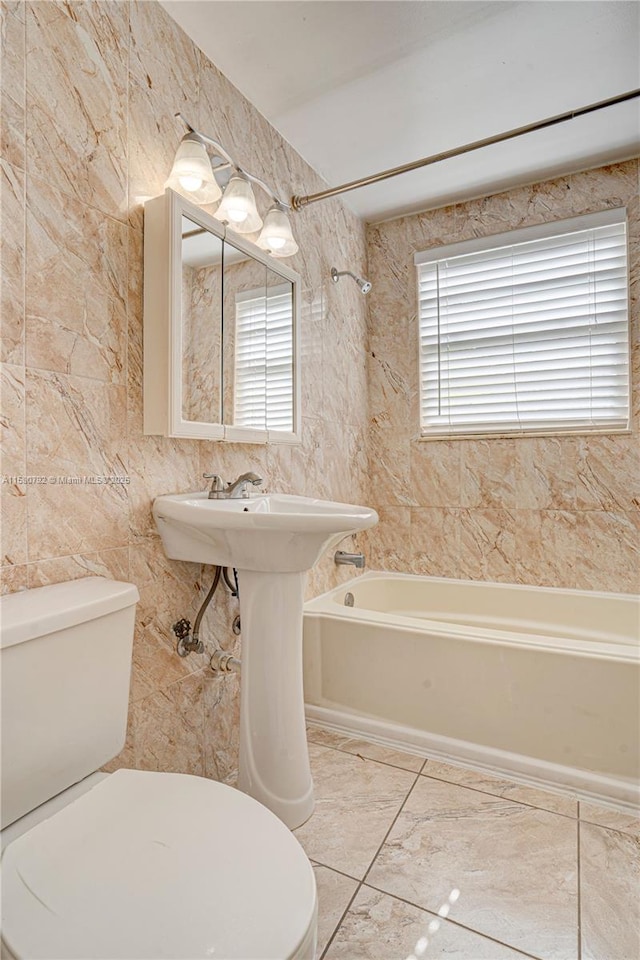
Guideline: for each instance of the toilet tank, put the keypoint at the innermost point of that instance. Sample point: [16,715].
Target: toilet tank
[65,654]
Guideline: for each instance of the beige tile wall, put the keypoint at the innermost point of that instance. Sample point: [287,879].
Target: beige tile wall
[89,93]
[562,511]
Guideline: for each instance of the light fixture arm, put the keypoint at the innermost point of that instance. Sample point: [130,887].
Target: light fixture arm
[230,162]
[266,188]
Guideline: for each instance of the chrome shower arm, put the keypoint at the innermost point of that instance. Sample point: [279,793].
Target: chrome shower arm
[365,285]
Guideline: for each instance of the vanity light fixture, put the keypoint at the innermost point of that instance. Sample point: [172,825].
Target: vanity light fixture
[276,236]
[192,174]
[194,177]
[238,205]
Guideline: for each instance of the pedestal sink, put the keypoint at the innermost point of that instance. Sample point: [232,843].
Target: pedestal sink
[272,540]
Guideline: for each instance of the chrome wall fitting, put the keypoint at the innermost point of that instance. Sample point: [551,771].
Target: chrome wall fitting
[354,559]
[365,285]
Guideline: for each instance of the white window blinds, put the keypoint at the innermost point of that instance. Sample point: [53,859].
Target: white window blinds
[526,332]
[264,359]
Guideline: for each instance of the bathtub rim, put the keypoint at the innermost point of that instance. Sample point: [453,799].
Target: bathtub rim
[585,643]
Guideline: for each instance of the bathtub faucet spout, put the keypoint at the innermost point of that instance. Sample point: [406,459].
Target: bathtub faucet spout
[355,559]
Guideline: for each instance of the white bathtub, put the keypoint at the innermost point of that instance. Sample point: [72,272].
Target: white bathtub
[540,684]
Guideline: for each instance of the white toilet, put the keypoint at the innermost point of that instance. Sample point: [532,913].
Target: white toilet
[130,864]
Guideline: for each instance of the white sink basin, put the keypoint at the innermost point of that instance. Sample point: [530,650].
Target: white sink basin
[264,532]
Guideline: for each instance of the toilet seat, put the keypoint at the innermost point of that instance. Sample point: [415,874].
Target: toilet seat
[153,865]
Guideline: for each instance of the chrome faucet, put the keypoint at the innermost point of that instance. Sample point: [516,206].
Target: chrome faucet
[232,491]
[239,487]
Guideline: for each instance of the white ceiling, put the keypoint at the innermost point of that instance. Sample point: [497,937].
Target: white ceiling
[357,86]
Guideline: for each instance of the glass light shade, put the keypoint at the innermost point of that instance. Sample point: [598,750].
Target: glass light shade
[238,206]
[276,236]
[191,174]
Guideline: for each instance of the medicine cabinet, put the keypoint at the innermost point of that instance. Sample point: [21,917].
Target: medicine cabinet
[221,331]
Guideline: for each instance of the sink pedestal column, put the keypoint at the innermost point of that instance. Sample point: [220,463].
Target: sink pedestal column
[274,759]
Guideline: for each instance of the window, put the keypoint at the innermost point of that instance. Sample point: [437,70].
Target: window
[264,359]
[526,332]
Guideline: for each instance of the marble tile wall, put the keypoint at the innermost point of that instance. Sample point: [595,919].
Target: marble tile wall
[562,511]
[89,94]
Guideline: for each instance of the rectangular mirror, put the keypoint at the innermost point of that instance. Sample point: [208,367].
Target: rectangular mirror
[201,324]
[243,296]
[279,350]
[221,354]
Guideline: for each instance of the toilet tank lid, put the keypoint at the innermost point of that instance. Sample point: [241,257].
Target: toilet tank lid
[35,613]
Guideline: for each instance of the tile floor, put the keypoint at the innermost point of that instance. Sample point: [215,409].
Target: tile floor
[540,875]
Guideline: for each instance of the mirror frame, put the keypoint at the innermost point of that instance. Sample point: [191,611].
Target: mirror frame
[162,324]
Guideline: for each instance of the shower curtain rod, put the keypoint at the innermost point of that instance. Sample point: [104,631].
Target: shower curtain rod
[299,202]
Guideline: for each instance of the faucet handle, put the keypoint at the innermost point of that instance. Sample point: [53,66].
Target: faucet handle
[217,483]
